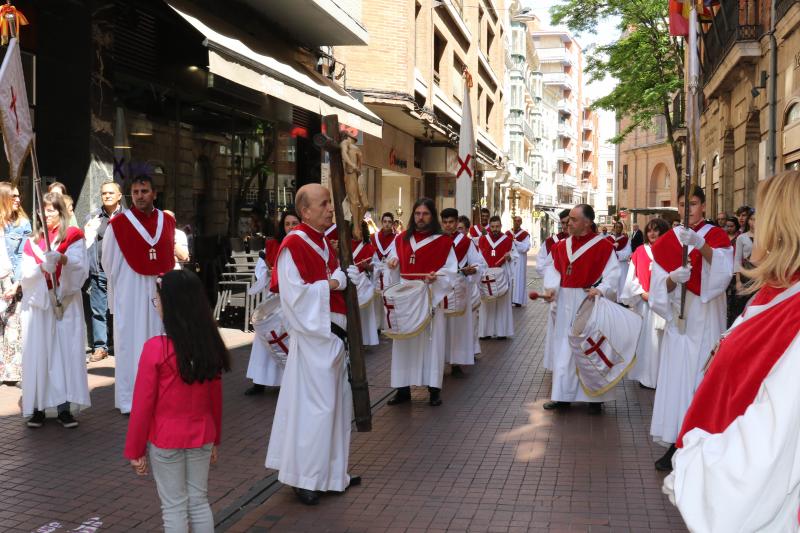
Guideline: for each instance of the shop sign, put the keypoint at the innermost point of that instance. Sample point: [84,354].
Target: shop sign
[395,161]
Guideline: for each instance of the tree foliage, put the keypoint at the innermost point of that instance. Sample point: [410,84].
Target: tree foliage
[645,60]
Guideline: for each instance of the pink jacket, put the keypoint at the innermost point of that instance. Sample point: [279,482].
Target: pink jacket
[167,411]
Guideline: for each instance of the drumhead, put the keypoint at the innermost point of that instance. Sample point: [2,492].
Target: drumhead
[407,309]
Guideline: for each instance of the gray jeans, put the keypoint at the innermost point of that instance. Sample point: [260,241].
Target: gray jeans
[182,480]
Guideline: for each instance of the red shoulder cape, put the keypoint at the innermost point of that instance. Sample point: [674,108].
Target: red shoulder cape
[73,235]
[427,259]
[620,243]
[641,262]
[668,253]
[741,364]
[548,244]
[462,247]
[271,247]
[366,252]
[310,264]
[502,249]
[134,248]
[522,236]
[385,240]
[588,268]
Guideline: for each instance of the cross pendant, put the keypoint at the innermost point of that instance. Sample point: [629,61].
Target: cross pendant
[569,269]
[152,253]
[493,253]
[413,259]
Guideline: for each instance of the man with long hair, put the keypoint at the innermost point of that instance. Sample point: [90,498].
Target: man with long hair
[522,243]
[423,253]
[138,246]
[584,265]
[688,341]
[310,439]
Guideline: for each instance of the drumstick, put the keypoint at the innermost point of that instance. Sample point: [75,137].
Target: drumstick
[423,275]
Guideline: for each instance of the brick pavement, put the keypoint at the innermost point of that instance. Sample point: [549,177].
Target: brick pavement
[489,459]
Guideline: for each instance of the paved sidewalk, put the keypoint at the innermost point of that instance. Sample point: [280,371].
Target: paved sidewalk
[488,459]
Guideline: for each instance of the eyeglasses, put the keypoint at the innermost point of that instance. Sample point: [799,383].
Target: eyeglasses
[154,301]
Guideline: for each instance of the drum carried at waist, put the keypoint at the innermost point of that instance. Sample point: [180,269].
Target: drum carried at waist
[407,309]
[267,322]
[456,301]
[494,283]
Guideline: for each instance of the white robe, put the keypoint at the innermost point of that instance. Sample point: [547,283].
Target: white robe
[460,346]
[747,477]
[566,386]
[645,371]
[419,360]
[624,257]
[262,368]
[135,318]
[53,355]
[310,439]
[495,318]
[683,355]
[543,259]
[520,294]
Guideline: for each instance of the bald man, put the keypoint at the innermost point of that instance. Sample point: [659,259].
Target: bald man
[310,439]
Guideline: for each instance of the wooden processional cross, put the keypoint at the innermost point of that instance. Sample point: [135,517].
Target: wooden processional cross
[358,370]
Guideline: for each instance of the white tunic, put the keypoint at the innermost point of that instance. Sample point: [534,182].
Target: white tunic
[566,386]
[263,369]
[543,259]
[683,355]
[520,294]
[135,318]
[419,360]
[645,371]
[53,355]
[747,477]
[310,439]
[624,256]
[460,348]
[495,318]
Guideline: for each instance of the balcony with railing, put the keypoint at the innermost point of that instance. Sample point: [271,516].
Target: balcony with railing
[527,181]
[588,125]
[565,106]
[565,130]
[564,154]
[587,166]
[736,21]
[559,79]
[566,180]
[554,55]
[587,146]
[544,199]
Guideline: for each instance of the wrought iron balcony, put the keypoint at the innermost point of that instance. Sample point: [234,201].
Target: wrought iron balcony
[735,21]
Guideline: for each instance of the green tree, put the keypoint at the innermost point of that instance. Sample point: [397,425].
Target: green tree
[645,60]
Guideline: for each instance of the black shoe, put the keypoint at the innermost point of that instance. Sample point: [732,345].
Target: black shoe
[435,400]
[355,481]
[402,395]
[307,497]
[556,405]
[67,420]
[255,390]
[456,372]
[641,386]
[517,305]
[595,408]
[37,420]
[501,338]
[486,338]
[665,463]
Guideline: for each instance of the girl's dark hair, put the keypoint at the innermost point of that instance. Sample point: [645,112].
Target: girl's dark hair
[465,220]
[281,220]
[734,220]
[658,224]
[199,349]
[57,201]
[436,226]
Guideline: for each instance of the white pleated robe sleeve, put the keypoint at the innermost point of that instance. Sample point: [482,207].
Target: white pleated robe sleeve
[746,478]
[633,290]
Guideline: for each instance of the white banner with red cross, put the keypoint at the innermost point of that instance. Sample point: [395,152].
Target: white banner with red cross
[465,171]
[15,117]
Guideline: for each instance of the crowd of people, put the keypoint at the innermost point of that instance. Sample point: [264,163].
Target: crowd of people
[620,305]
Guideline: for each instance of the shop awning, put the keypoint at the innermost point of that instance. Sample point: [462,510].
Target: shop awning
[552,214]
[230,58]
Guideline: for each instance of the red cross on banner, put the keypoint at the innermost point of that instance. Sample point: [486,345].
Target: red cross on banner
[278,339]
[15,117]
[464,166]
[488,282]
[389,308]
[596,348]
[13,108]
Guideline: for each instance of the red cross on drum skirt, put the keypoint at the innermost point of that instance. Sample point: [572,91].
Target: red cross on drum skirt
[596,347]
[278,339]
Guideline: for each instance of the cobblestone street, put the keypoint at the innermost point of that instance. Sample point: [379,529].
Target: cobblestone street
[488,459]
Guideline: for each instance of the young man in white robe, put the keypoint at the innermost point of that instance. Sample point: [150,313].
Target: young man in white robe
[736,468]
[584,266]
[363,257]
[53,358]
[423,253]
[495,318]
[478,230]
[459,343]
[262,368]
[622,247]
[310,439]
[544,258]
[688,342]
[138,246]
[474,257]
[522,244]
[383,243]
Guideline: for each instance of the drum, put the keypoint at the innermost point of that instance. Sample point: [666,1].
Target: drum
[267,322]
[455,302]
[494,284]
[407,309]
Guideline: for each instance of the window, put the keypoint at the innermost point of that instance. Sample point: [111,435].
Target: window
[610,167]
[792,115]
[419,33]
[458,85]
[439,45]
[489,112]
[489,42]
[624,176]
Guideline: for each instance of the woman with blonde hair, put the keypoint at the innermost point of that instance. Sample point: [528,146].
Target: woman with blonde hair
[16,228]
[739,447]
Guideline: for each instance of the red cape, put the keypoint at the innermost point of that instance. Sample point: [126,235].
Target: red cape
[588,268]
[499,251]
[134,248]
[429,258]
[462,247]
[548,244]
[73,235]
[641,262]
[366,253]
[741,364]
[385,239]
